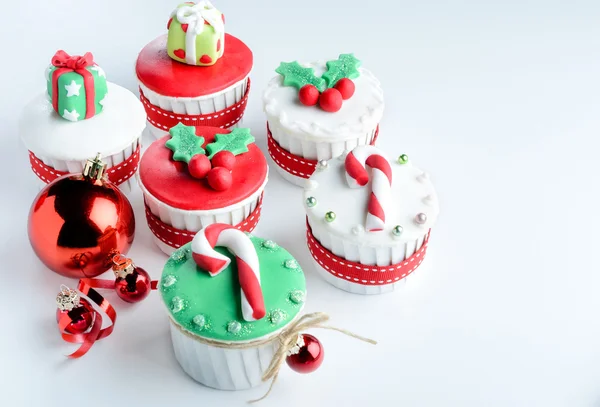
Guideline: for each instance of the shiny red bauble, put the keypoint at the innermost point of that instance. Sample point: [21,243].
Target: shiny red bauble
[331,100]
[310,356]
[199,166]
[76,222]
[309,95]
[225,159]
[135,286]
[81,317]
[346,88]
[219,179]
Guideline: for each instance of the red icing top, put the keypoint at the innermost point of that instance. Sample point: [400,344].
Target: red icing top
[170,182]
[156,70]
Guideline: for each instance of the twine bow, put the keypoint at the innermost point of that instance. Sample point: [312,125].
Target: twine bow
[197,14]
[63,60]
[289,338]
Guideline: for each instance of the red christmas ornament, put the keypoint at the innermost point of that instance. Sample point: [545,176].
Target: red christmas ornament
[346,88]
[78,221]
[133,283]
[309,95]
[199,166]
[307,355]
[224,159]
[219,179]
[331,100]
[79,310]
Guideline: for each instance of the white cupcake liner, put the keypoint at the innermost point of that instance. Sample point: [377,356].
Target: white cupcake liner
[316,150]
[289,177]
[193,221]
[222,368]
[76,166]
[157,132]
[199,105]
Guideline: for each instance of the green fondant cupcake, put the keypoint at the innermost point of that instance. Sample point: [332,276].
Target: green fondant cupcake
[229,296]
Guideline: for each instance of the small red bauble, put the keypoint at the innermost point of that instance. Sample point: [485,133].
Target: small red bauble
[331,100]
[308,95]
[224,159]
[81,317]
[346,88]
[310,356]
[135,286]
[199,166]
[219,179]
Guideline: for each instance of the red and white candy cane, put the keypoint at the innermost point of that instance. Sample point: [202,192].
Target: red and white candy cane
[240,245]
[357,176]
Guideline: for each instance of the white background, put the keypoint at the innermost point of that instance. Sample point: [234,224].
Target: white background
[498,100]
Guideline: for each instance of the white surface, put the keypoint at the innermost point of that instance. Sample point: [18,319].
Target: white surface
[48,135]
[497,100]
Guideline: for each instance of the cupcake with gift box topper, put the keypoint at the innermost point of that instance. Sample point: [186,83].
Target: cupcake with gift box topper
[195,176]
[234,303]
[79,115]
[368,219]
[317,111]
[196,74]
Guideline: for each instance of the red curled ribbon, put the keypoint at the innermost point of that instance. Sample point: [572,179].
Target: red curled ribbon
[67,63]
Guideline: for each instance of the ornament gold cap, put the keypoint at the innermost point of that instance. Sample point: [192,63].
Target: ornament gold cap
[67,299]
[94,169]
[122,266]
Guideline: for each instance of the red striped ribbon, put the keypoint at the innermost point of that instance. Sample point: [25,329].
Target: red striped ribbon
[164,119]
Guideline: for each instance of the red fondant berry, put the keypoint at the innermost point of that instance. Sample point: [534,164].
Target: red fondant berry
[346,88]
[184,27]
[199,166]
[205,59]
[224,159]
[179,53]
[308,95]
[331,100]
[169,23]
[219,178]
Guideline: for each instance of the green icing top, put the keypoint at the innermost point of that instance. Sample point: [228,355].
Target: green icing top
[210,307]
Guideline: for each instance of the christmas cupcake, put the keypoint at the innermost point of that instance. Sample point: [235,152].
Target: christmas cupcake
[230,296]
[368,219]
[196,176]
[196,74]
[79,115]
[318,111]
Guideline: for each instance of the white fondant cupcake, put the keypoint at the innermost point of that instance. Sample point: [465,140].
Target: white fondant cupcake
[319,110]
[79,115]
[368,219]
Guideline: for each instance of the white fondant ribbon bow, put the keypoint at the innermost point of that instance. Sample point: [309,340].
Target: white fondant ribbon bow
[196,15]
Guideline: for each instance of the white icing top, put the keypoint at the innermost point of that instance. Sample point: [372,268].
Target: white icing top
[412,193]
[47,134]
[359,115]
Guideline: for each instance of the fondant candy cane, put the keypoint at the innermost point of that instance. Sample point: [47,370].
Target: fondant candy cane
[195,16]
[381,182]
[240,245]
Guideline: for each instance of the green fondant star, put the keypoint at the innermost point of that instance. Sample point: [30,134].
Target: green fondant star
[346,66]
[296,75]
[184,143]
[237,142]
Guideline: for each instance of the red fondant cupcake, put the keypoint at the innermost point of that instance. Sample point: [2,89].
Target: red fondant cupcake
[197,74]
[196,176]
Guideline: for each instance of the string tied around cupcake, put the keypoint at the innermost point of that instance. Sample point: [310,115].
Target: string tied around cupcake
[292,340]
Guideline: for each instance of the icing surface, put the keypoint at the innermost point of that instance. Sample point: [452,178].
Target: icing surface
[411,193]
[160,73]
[48,135]
[357,116]
[170,182]
[210,307]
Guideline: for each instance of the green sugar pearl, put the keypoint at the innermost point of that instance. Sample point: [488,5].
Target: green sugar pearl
[330,216]
[397,231]
[311,201]
[403,159]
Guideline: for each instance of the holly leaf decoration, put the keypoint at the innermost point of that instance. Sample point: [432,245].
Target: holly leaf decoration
[237,142]
[296,75]
[184,143]
[346,66]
